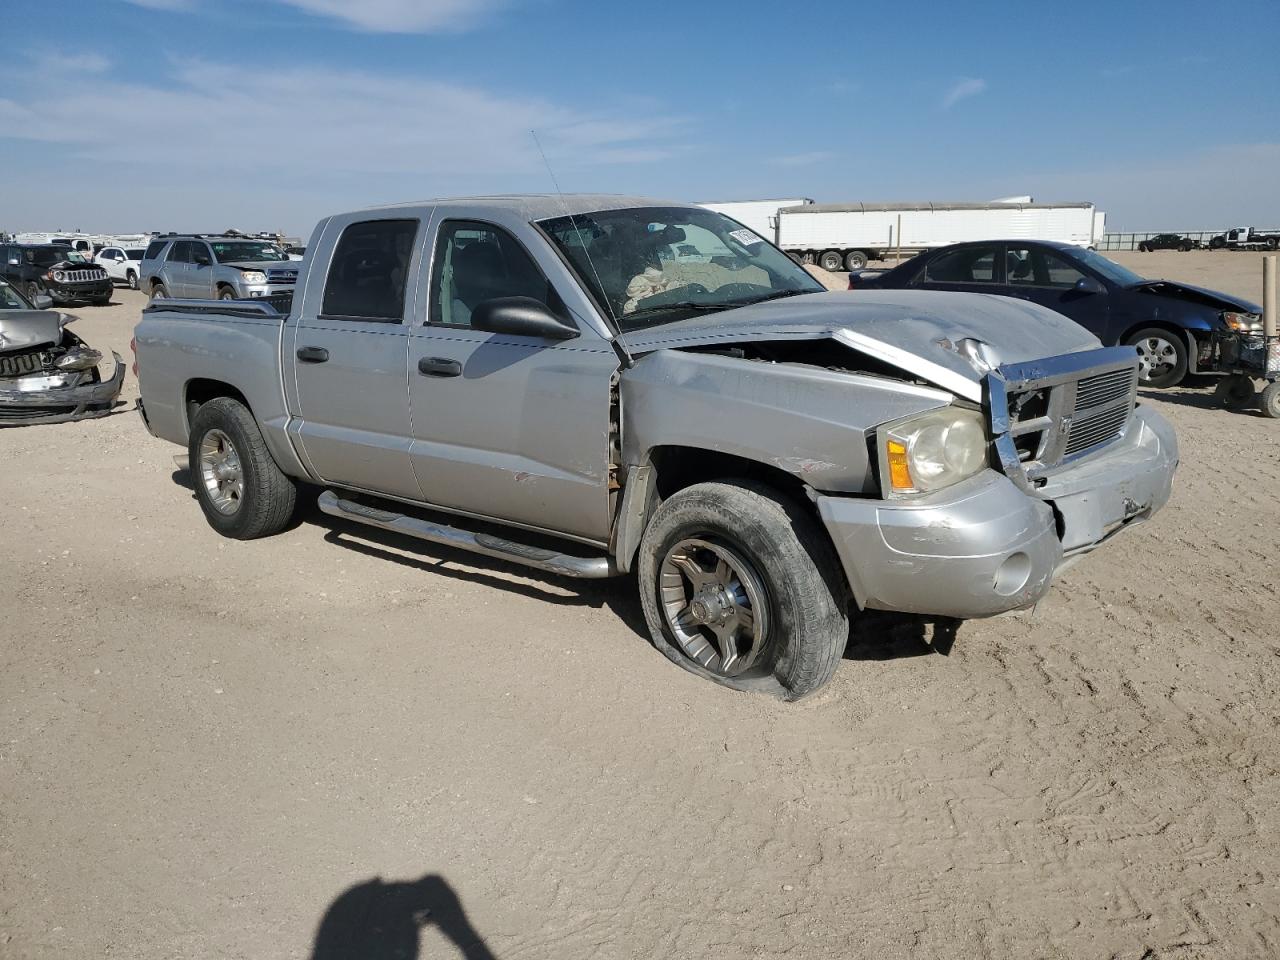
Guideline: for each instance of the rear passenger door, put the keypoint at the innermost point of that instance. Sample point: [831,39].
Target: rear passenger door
[973,269]
[348,355]
[176,264]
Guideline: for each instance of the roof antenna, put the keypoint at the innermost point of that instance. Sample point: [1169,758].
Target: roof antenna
[623,355]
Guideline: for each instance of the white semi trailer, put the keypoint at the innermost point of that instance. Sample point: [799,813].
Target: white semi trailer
[760,215]
[844,236]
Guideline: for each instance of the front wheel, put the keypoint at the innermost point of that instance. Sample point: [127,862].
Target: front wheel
[242,492]
[1162,357]
[1270,400]
[226,293]
[131,279]
[742,587]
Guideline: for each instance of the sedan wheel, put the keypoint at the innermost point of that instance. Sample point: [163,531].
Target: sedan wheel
[1162,357]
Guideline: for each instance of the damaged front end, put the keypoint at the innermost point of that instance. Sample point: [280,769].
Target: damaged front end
[48,374]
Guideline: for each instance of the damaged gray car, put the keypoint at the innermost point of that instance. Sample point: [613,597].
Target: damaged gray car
[47,373]
[631,386]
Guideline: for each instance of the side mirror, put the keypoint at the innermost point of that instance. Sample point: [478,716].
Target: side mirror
[42,301]
[201,260]
[1089,285]
[522,317]
[14,262]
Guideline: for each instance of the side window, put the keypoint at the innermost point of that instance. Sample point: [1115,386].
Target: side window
[154,248]
[369,271]
[966,265]
[180,252]
[478,261]
[1039,268]
[200,253]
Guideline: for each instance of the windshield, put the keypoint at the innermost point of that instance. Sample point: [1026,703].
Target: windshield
[239,251]
[657,264]
[1110,269]
[48,256]
[11,299]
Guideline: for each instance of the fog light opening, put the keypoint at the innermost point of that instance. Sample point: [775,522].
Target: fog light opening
[1013,574]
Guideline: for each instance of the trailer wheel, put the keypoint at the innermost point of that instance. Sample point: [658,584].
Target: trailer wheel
[831,261]
[855,260]
[1235,391]
[1271,243]
[807,259]
[1270,400]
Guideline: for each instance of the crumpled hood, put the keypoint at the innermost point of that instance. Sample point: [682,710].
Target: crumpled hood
[1215,299]
[25,329]
[914,330]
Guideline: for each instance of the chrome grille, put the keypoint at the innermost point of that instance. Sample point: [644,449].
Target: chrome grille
[80,276]
[282,276]
[1061,408]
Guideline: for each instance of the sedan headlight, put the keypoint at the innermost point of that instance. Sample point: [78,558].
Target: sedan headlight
[1242,322]
[931,451]
[254,276]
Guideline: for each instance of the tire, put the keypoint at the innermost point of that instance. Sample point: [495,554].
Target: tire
[1235,391]
[1271,243]
[1163,357]
[131,279]
[242,492]
[779,561]
[1142,248]
[159,292]
[856,260]
[831,261]
[1269,400]
[226,293]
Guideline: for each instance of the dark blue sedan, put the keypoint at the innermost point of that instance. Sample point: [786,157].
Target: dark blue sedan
[1170,323]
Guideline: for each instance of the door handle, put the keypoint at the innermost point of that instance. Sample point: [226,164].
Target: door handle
[439,367]
[313,354]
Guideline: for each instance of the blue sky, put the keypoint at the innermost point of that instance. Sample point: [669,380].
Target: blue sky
[268,114]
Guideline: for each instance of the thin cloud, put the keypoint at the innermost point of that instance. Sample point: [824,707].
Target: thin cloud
[163,4]
[388,123]
[400,16]
[55,62]
[962,89]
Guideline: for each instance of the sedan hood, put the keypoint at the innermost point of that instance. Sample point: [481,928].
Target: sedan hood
[1208,298]
[914,330]
[26,329]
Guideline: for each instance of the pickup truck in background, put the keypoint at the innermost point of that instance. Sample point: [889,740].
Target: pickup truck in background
[215,268]
[592,385]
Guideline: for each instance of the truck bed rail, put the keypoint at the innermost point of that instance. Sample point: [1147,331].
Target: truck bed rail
[275,307]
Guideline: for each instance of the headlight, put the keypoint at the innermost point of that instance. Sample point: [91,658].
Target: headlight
[254,276]
[59,276]
[931,451]
[1243,322]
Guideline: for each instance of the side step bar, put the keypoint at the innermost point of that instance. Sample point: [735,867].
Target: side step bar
[549,560]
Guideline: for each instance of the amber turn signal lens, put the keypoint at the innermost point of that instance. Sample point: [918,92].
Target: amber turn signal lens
[899,470]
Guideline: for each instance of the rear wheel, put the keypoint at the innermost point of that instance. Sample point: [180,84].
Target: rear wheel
[831,261]
[1162,357]
[741,587]
[131,278]
[1235,391]
[1270,400]
[242,492]
[855,260]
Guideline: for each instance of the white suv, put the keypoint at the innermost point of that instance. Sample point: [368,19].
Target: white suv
[122,264]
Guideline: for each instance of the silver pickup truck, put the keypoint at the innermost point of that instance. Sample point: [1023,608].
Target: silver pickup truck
[595,385]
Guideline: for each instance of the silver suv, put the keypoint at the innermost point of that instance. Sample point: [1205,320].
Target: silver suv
[222,268]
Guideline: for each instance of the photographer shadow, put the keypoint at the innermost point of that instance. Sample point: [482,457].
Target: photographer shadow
[380,920]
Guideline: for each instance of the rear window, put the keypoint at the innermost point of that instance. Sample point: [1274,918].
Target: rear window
[369,270]
[154,248]
[134,254]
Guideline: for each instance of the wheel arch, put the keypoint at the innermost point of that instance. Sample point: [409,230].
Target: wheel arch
[200,390]
[669,468]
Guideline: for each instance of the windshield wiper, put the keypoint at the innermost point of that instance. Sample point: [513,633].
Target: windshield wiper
[776,295]
[681,305]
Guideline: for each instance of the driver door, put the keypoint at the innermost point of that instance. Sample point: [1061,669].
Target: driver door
[507,426]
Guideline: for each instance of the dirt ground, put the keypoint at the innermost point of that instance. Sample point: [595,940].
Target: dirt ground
[208,746]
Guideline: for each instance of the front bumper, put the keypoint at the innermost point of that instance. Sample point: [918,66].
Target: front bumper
[985,546]
[57,404]
[67,293]
[253,291]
